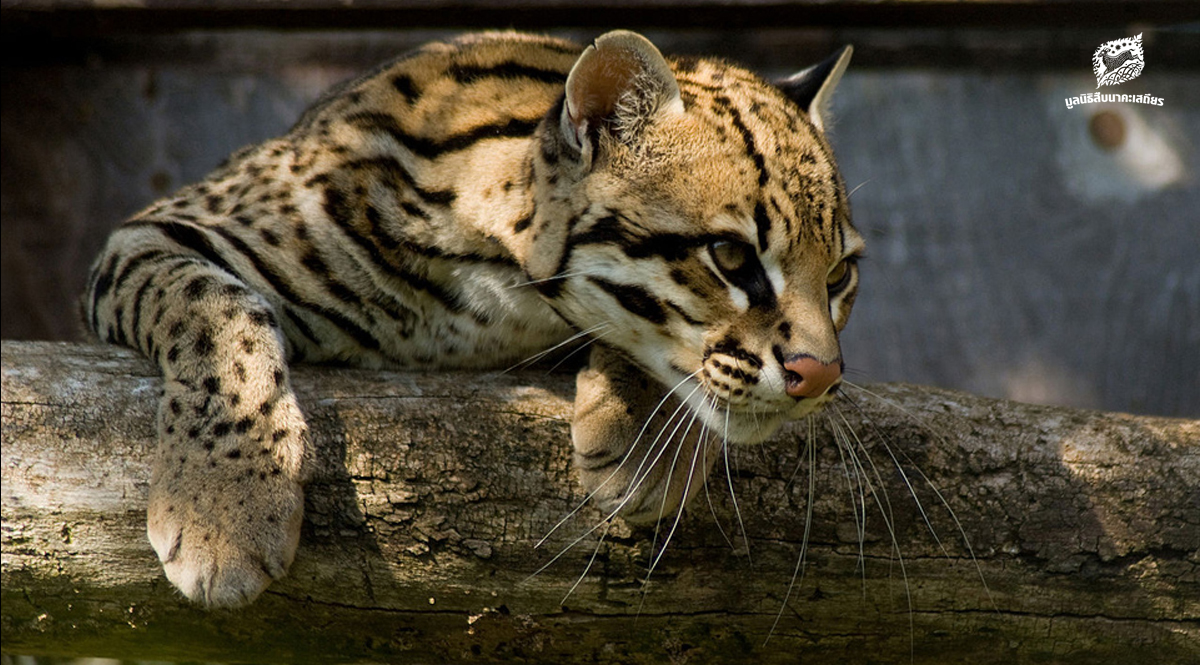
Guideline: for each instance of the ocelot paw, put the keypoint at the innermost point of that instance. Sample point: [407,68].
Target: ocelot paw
[639,453]
[226,497]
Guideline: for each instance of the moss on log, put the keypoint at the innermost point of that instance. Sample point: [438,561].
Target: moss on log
[433,490]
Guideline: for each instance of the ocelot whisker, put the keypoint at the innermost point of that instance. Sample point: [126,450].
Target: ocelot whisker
[634,485]
[858,187]
[904,477]
[542,354]
[591,561]
[657,551]
[858,503]
[928,482]
[705,431]
[590,341]
[798,572]
[878,492]
[628,452]
[552,278]
[639,477]
[733,495]
[687,486]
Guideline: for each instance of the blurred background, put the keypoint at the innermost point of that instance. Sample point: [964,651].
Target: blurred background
[1018,248]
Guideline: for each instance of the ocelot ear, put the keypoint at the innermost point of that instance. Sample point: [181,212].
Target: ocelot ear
[812,88]
[619,84]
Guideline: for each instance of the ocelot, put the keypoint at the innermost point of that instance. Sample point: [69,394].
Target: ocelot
[469,205]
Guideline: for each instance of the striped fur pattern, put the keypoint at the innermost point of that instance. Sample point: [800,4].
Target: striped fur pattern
[470,205]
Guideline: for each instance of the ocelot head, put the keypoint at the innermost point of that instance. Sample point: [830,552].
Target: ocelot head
[691,215]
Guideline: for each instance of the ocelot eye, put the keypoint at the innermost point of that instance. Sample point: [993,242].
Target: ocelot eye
[839,277]
[731,256]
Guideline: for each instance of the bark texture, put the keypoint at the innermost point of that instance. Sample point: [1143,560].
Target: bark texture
[433,490]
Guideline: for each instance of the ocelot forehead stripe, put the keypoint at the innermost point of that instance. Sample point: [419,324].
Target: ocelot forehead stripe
[762,222]
[752,151]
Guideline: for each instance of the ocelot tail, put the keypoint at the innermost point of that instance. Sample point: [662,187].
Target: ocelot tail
[469,205]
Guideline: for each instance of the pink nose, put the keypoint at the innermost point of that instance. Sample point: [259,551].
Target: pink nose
[808,377]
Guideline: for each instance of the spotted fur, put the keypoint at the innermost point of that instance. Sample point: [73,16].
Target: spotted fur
[467,206]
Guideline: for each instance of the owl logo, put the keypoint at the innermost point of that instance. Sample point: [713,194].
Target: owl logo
[1118,61]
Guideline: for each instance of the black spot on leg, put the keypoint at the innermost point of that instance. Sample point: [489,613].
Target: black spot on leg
[234,290]
[234,454]
[242,426]
[267,407]
[175,407]
[278,376]
[212,384]
[222,428]
[204,344]
[196,288]
[278,435]
[261,317]
[194,433]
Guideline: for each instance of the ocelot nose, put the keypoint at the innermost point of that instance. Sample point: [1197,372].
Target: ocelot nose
[805,376]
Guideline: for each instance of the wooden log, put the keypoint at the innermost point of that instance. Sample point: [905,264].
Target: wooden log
[433,490]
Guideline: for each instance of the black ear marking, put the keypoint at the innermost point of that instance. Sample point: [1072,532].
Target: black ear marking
[812,87]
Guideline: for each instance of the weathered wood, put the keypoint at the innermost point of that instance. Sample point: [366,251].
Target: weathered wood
[433,489]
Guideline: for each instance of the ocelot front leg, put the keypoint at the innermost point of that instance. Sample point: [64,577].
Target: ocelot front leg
[226,496]
[640,454]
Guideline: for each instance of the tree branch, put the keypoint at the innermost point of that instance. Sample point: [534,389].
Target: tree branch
[432,491]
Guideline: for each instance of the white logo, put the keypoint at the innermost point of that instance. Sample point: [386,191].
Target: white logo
[1114,63]
[1118,61]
